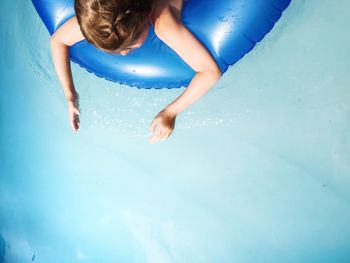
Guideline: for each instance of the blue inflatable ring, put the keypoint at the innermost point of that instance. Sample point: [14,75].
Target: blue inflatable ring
[228,29]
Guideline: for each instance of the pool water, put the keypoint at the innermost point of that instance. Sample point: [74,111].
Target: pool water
[256,171]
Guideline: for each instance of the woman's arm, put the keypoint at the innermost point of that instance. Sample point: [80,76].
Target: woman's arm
[67,35]
[173,33]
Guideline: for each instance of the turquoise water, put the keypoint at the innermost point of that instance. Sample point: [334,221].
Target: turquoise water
[257,171]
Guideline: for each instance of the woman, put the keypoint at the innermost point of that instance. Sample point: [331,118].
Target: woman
[119,26]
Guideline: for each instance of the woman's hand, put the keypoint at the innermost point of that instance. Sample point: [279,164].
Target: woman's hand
[162,126]
[74,112]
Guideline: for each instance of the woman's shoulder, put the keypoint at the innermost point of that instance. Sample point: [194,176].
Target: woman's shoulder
[69,33]
[163,8]
[168,15]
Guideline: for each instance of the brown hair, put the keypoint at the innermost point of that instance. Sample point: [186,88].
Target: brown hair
[112,25]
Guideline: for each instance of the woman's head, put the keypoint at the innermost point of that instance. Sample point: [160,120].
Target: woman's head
[113,25]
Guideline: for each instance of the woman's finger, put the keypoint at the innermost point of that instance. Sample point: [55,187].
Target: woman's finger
[76,125]
[156,135]
[153,125]
[163,135]
[153,139]
[74,120]
[76,111]
[73,125]
[167,135]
